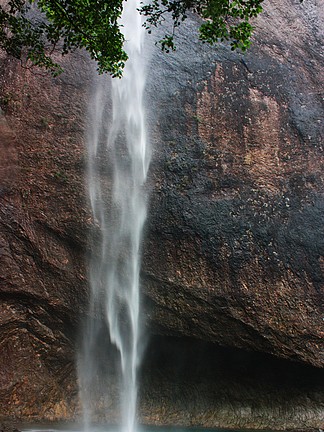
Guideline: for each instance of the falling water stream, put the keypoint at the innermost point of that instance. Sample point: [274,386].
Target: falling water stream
[115,261]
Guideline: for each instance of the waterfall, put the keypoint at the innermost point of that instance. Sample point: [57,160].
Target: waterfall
[115,259]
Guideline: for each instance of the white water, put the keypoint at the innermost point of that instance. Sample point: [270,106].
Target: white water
[115,260]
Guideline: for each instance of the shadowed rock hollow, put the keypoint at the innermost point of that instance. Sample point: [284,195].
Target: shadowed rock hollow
[234,243]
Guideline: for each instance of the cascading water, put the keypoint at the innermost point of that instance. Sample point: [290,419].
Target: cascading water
[115,263]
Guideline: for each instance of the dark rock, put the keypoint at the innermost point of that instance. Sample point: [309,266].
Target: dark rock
[190,382]
[237,199]
[8,428]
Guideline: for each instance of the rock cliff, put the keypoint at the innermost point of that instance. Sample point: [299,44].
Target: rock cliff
[233,253]
[237,200]
[43,217]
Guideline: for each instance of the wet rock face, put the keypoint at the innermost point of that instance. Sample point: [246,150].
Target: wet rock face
[235,238]
[234,241]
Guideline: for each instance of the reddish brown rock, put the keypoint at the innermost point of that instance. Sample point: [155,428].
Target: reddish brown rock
[43,220]
[234,242]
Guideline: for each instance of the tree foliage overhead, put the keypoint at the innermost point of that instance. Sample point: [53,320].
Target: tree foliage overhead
[223,19]
[32,30]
